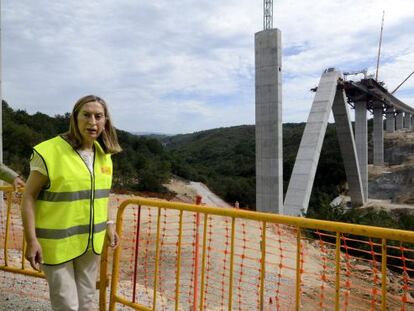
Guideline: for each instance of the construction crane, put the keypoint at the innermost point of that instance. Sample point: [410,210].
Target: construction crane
[402,83]
[268,14]
[379,46]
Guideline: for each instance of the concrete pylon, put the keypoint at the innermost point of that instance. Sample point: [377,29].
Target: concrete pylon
[378,135]
[361,141]
[390,120]
[327,98]
[412,123]
[269,155]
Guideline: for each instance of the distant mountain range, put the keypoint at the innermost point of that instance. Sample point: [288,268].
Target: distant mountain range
[152,134]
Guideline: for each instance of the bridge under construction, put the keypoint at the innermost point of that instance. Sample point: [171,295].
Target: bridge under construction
[333,93]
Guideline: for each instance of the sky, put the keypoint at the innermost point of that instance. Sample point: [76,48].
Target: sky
[180,66]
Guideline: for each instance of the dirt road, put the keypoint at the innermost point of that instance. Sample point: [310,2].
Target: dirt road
[187,191]
[209,198]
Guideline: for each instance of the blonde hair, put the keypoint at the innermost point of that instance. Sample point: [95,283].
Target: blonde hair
[108,138]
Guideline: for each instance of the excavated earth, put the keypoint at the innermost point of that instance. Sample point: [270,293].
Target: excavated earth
[392,185]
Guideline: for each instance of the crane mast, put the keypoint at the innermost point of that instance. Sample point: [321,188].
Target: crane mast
[379,46]
[268,14]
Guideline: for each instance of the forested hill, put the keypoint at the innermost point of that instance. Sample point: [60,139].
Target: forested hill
[223,158]
[142,159]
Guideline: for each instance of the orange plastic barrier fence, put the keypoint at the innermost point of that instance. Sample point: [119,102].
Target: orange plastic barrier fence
[255,261]
[20,285]
[16,275]
[176,256]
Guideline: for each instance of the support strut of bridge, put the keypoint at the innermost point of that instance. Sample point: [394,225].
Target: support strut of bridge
[412,122]
[348,149]
[328,97]
[399,120]
[361,140]
[390,120]
[378,135]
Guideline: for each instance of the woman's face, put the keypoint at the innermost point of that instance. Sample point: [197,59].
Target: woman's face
[91,121]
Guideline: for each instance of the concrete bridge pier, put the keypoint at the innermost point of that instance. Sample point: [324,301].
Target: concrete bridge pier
[399,120]
[407,121]
[269,165]
[361,141]
[378,135]
[390,120]
[412,122]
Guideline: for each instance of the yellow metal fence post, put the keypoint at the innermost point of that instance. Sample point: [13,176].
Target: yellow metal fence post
[177,285]
[6,241]
[298,267]
[196,254]
[203,261]
[103,277]
[263,265]
[157,259]
[233,222]
[117,255]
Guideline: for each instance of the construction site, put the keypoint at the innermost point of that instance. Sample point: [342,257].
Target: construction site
[196,252]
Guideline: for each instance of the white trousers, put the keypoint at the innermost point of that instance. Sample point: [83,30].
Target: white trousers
[72,285]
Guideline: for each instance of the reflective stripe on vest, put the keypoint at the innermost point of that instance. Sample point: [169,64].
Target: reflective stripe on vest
[64,233]
[72,196]
[73,210]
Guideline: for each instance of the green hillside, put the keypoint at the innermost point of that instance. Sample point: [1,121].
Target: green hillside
[143,164]
[223,158]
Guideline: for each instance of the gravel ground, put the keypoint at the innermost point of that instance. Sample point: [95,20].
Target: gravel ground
[15,302]
[20,293]
[9,302]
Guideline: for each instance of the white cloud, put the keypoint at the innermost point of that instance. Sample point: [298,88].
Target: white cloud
[179,66]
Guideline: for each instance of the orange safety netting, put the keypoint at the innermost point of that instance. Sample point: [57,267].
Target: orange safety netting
[204,264]
[28,287]
[360,265]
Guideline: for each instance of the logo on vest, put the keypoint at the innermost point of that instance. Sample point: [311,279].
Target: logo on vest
[106,170]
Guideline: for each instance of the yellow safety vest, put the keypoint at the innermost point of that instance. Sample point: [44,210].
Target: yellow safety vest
[73,209]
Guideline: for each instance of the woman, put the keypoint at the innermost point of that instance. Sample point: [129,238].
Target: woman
[65,204]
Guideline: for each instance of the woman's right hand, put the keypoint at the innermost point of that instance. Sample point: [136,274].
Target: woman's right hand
[34,254]
[18,182]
